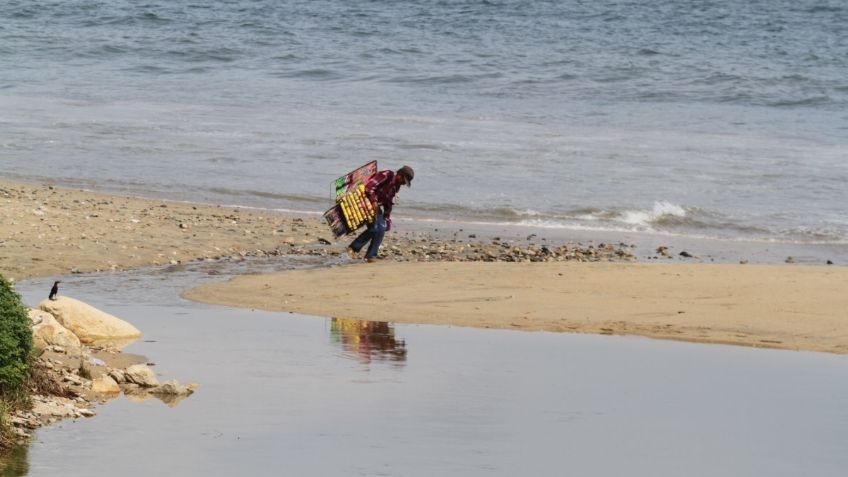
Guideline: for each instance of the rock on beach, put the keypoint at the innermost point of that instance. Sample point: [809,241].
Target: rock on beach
[47,331]
[105,385]
[142,375]
[173,387]
[86,322]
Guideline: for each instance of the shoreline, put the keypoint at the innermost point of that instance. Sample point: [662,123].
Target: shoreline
[51,231]
[704,249]
[54,231]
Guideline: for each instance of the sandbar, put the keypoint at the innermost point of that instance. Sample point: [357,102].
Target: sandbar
[771,306]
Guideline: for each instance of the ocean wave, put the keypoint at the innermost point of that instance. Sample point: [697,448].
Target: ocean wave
[647,52]
[442,79]
[314,74]
[222,159]
[668,216]
[148,69]
[824,9]
[792,103]
[792,237]
[662,218]
[662,211]
[195,54]
[287,57]
[258,194]
[24,13]
[152,17]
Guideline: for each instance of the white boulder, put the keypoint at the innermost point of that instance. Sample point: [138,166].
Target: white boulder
[47,331]
[87,322]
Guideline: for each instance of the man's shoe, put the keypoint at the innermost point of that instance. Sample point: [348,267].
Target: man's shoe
[351,253]
[371,259]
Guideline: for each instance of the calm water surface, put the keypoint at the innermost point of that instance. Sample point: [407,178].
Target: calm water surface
[286,394]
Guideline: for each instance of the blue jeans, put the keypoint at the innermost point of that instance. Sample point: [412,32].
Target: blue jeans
[374,233]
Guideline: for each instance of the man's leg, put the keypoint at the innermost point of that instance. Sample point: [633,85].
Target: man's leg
[378,230]
[360,241]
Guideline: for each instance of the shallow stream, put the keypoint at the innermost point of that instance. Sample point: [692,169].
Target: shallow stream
[287,394]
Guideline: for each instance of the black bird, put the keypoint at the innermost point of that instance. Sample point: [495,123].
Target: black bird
[54,291]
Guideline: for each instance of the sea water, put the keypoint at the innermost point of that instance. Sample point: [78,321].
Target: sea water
[723,120]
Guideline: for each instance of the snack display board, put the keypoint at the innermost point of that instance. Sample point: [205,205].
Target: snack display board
[352,209]
[336,221]
[351,180]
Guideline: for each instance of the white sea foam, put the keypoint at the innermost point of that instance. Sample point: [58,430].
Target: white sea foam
[660,210]
[638,218]
[555,225]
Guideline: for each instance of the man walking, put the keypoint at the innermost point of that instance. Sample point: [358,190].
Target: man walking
[380,189]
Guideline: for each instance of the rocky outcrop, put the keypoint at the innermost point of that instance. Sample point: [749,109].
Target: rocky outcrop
[71,375]
[88,323]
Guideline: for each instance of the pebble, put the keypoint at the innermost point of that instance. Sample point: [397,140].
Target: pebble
[433,250]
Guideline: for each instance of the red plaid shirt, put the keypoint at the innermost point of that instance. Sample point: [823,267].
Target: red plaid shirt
[381,188]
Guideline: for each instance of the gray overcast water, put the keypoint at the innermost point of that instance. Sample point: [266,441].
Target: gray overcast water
[681,118]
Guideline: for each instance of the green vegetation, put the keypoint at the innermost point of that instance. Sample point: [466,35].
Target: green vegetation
[15,355]
[15,462]
[15,341]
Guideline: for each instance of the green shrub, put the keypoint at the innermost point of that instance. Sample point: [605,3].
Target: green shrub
[15,340]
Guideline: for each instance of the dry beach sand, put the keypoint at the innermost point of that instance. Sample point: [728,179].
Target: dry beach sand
[53,231]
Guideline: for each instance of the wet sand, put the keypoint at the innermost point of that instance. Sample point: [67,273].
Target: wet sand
[774,306]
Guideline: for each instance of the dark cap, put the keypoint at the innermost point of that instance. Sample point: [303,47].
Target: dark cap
[408,173]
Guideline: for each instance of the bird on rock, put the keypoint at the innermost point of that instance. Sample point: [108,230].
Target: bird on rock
[55,290]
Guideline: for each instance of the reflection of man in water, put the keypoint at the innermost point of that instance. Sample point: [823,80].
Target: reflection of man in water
[368,339]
